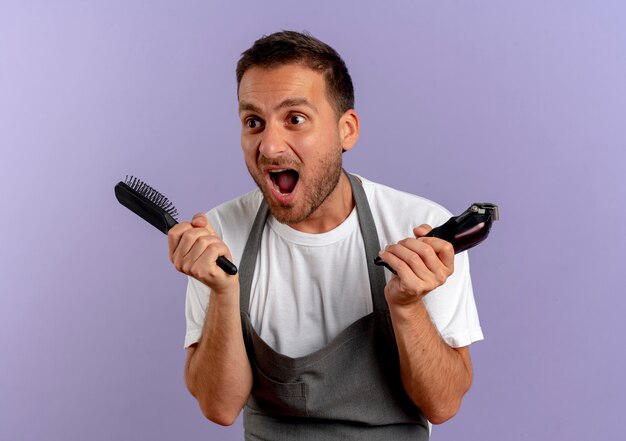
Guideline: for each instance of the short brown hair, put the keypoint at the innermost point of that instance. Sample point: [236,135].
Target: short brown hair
[290,47]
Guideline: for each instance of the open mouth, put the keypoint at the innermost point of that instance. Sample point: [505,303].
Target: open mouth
[284,180]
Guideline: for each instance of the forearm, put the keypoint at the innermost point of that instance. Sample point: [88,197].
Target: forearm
[218,373]
[434,375]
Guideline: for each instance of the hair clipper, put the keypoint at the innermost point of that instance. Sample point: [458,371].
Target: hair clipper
[465,230]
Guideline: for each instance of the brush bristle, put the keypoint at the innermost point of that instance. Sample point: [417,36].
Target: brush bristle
[152,195]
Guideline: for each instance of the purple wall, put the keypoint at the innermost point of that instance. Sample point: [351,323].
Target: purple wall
[517,103]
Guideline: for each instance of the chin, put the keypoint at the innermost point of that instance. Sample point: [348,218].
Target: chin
[285,215]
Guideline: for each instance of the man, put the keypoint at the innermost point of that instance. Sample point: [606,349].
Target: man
[312,338]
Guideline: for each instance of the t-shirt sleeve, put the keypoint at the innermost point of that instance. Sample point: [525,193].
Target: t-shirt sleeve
[452,307]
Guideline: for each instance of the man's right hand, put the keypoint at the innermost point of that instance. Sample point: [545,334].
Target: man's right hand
[194,248]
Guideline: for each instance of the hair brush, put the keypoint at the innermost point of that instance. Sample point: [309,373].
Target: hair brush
[463,231]
[156,209]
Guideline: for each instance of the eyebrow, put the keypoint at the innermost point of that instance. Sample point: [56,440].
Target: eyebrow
[245,106]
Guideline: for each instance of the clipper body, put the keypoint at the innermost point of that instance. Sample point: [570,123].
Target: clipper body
[465,230]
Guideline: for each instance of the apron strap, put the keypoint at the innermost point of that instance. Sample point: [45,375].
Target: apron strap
[248,260]
[372,245]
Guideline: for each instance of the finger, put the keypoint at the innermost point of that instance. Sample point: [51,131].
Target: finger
[174,236]
[401,268]
[424,260]
[422,230]
[412,282]
[407,281]
[206,267]
[187,242]
[191,260]
[437,254]
[443,249]
[415,256]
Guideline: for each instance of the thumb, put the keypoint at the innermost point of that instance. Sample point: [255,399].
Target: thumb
[199,220]
[422,230]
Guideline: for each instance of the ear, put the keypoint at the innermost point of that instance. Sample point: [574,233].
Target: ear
[348,129]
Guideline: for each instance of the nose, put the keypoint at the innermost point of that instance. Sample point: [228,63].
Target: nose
[272,143]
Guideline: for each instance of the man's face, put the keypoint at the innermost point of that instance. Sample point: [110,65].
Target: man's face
[290,138]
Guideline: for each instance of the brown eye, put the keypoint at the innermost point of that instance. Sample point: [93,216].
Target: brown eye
[253,123]
[296,119]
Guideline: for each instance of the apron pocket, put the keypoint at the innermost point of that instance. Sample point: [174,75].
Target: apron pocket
[279,399]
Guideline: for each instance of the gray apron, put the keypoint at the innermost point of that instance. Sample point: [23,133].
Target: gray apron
[348,390]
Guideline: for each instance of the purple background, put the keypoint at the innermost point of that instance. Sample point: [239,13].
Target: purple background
[519,103]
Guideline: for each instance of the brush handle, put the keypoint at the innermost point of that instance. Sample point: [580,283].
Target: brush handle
[227,265]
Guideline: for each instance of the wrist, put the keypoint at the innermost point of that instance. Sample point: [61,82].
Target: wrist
[408,311]
[227,292]
[397,298]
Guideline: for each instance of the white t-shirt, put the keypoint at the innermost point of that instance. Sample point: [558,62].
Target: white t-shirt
[307,288]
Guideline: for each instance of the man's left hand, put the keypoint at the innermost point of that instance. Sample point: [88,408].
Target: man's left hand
[421,263]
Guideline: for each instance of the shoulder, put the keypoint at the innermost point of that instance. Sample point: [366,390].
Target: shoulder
[396,211]
[451,306]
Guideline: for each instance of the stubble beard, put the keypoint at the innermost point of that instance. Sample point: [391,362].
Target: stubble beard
[323,182]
